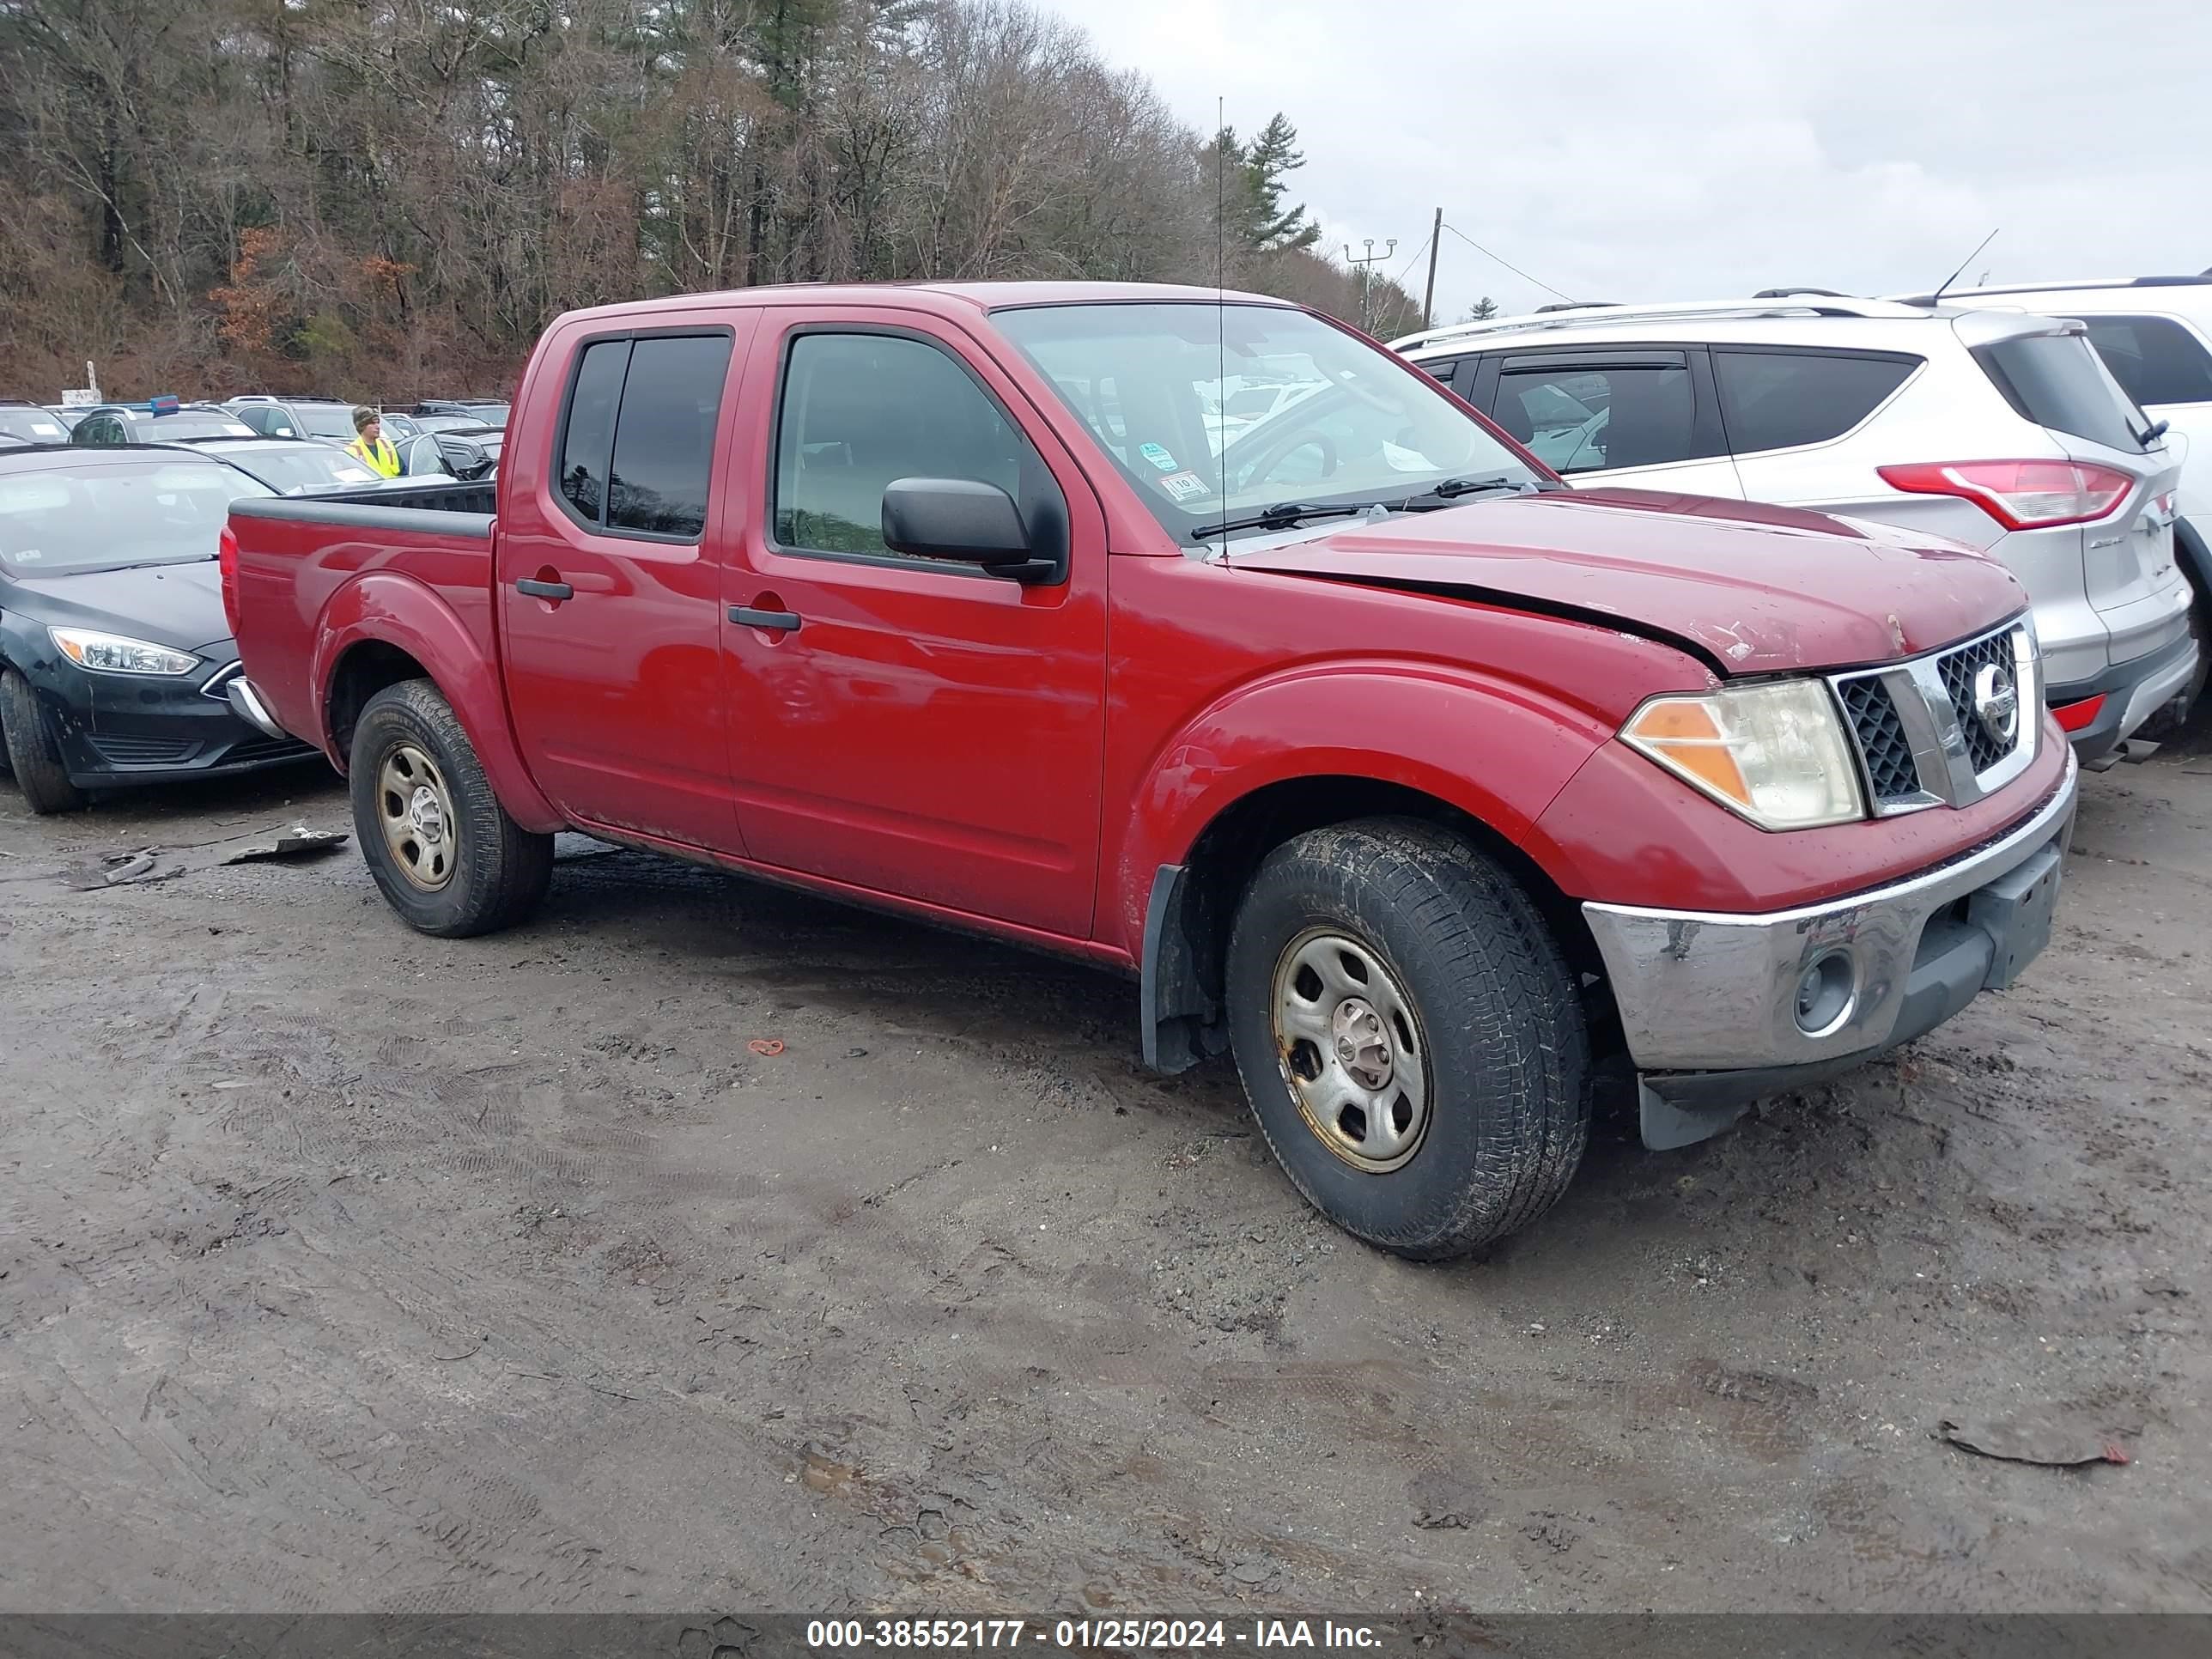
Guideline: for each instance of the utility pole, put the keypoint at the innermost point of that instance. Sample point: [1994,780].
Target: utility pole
[1366,269]
[1428,295]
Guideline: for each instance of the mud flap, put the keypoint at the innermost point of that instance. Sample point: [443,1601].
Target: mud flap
[1666,1125]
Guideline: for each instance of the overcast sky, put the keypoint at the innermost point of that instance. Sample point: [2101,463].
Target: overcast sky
[1636,150]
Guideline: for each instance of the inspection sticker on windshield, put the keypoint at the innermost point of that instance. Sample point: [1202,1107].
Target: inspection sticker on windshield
[1159,457]
[1186,486]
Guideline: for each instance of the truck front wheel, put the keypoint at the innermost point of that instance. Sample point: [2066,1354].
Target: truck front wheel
[1409,1035]
[441,847]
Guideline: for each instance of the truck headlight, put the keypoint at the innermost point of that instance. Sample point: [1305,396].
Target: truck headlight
[112,654]
[1774,752]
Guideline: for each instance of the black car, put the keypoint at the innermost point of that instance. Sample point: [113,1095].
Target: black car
[30,423]
[111,424]
[116,662]
[486,411]
[465,446]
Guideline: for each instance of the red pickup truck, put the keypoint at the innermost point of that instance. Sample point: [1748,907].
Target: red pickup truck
[1418,782]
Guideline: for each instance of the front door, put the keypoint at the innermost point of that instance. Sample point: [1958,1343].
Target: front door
[912,727]
[609,544]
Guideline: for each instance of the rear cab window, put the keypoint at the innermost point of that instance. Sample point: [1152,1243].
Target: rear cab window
[636,446]
[2154,359]
[1782,400]
[2056,381]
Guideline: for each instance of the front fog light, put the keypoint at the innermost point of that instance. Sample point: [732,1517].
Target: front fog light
[1827,993]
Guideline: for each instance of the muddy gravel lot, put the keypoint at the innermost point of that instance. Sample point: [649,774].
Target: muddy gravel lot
[345,1269]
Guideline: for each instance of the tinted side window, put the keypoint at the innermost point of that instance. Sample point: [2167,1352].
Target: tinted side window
[2154,359]
[1588,420]
[860,411]
[2054,380]
[1779,399]
[589,436]
[664,435]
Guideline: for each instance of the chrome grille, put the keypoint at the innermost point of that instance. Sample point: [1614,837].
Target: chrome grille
[1921,740]
[1984,748]
[1892,773]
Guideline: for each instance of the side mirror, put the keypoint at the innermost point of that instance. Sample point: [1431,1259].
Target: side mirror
[964,519]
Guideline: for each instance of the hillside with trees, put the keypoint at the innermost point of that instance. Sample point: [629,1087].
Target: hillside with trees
[382,198]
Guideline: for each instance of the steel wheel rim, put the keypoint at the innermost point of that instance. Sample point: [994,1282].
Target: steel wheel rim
[416,811]
[1352,1050]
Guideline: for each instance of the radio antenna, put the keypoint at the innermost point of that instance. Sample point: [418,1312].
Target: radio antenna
[1221,300]
[1936,298]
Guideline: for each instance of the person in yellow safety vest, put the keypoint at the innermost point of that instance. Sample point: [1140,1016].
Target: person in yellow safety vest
[369,448]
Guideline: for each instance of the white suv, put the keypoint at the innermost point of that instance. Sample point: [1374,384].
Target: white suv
[2001,430]
[2155,333]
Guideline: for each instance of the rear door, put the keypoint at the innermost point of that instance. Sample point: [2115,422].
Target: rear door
[1790,413]
[1629,418]
[612,525]
[908,726]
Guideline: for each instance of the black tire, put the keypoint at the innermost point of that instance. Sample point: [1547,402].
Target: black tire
[498,872]
[33,756]
[1492,1005]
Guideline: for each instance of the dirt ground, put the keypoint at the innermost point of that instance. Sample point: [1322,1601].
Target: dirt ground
[345,1269]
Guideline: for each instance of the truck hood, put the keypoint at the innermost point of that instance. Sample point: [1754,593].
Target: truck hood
[1752,589]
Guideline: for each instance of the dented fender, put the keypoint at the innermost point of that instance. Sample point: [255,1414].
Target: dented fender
[1498,749]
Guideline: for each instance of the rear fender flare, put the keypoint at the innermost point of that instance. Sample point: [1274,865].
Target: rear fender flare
[387,608]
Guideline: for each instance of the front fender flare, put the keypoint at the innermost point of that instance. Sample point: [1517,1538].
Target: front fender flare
[1497,752]
[387,608]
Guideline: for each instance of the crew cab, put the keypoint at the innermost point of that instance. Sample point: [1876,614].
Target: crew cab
[1420,784]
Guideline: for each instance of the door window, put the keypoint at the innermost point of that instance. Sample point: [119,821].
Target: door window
[1589,420]
[859,411]
[2154,359]
[1780,400]
[637,438]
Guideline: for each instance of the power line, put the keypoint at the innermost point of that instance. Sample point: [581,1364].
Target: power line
[1416,254]
[1508,263]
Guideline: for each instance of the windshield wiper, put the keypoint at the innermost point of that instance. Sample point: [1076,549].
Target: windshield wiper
[1281,516]
[1452,490]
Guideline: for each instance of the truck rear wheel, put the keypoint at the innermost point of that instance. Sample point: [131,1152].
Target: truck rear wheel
[441,847]
[1409,1035]
[33,756]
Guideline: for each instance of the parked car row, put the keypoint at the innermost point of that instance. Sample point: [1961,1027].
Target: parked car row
[2048,427]
[117,666]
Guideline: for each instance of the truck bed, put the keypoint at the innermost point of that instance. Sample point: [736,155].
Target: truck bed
[316,569]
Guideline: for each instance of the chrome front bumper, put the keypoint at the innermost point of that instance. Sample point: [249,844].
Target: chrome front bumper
[1701,992]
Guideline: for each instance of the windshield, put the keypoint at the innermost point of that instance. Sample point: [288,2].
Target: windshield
[97,518]
[326,420]
[309,466]
[450,423]
[1343,421]
[33,426]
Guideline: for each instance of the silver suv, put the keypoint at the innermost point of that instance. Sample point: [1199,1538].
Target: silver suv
[2002,431]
